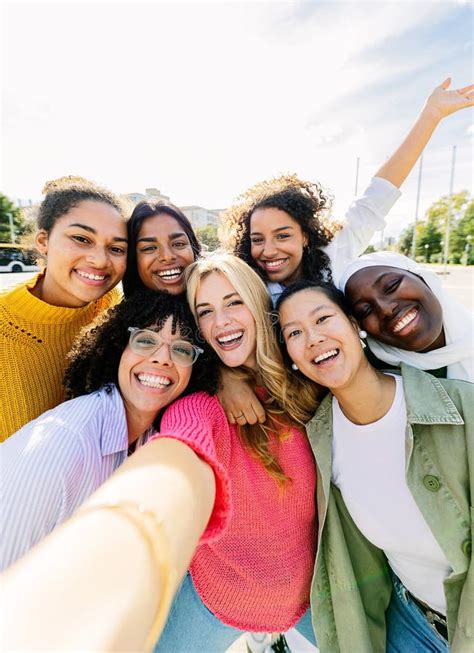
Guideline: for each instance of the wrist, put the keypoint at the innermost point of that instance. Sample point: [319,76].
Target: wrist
[431,115]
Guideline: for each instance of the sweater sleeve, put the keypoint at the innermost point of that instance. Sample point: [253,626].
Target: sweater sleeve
[365,216]
[196,420]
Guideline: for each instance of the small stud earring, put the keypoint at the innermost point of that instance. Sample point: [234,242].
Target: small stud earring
[294,366]
[362,334]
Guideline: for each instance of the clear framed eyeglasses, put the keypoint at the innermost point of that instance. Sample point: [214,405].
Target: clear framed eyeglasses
[145,342]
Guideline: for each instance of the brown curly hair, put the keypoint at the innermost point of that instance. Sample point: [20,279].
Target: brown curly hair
[95,355]
[305,201]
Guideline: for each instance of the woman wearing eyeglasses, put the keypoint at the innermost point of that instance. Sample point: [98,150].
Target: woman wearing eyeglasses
[122,374]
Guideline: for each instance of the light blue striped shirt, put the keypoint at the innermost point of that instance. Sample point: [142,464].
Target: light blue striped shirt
[52,464]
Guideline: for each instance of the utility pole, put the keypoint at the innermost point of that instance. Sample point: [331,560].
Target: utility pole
[357,178]
[450,210]
[413,242]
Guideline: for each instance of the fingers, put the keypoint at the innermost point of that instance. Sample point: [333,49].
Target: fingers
[259,412]
[446,84]
[466,89]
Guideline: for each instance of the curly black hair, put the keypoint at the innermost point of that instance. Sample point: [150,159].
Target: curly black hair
[131,282]
[95,355]
[306,202]
[63,194]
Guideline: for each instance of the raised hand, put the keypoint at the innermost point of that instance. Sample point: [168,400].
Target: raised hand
[442,102]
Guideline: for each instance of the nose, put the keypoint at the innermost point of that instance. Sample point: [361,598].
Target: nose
[98,257]
[269,249]
[385,306]
[222,318]
[314,337]
[167,254]
[162,356]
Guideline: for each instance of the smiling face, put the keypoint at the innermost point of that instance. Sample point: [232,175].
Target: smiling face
[163,253]
[225,321]
[149,383]
[277,243]
[86,254]
[397,308]
[321,339]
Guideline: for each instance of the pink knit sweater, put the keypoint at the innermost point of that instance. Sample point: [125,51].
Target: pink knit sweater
[255,572]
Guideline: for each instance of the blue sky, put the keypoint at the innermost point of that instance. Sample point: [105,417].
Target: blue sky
[204,99]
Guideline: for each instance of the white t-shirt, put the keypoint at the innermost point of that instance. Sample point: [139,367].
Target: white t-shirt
[369,469]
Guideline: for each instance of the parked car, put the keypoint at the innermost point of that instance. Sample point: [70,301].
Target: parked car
[14,258]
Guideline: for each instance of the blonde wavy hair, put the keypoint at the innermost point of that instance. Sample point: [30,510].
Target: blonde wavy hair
[289,397]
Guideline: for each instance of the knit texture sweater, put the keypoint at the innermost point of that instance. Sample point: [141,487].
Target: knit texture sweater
[35,338]
[256,574]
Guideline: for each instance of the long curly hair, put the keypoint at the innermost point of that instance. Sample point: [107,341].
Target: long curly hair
[95,355]
[288,396]
[305,201]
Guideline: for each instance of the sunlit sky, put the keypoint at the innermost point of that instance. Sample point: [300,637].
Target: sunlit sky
[201,100]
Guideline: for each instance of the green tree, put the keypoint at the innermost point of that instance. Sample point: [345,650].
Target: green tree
[429,240]
[208,237]
[7,210]
[461,242]
[404,244]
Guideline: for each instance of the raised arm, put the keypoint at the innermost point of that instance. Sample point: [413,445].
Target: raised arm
[441,103]
[99,569]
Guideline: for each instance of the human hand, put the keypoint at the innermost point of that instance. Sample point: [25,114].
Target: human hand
[240,403]
[442,102]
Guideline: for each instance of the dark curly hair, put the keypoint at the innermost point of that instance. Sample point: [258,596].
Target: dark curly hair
[65,193]
[305,201]
[131,282]
[95,355]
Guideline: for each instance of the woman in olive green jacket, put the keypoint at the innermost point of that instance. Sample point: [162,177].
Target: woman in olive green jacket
[395,458]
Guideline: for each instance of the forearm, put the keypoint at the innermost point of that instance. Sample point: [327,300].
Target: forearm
[397,168]
[103,588]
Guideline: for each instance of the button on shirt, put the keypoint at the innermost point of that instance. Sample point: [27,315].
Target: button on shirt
[52,464]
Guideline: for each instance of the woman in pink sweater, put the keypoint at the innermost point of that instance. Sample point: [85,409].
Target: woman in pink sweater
[256,574]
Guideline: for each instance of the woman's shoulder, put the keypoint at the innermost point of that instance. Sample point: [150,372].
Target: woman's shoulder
[109,300]
[195,404]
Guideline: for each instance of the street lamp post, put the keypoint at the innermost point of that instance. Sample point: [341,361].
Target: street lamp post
[427,255]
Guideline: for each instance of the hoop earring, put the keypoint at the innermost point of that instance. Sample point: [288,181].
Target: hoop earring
[294,366]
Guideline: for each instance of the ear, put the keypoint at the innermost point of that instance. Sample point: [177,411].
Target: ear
[41,241]
[355,324]
[305,240]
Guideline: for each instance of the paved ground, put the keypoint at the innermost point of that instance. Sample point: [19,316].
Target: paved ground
[459,281]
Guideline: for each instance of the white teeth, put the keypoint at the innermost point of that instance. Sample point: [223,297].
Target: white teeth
[275,264]
[230,337]
[409,317]
[153,381]
[327,354]
[95,277]
[170,273]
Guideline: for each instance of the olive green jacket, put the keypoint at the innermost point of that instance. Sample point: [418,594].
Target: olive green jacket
[351,587]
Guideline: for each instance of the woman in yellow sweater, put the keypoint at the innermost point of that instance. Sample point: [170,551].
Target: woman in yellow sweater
[82,233]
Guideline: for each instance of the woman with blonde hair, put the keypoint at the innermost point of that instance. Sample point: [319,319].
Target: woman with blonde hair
[256,575]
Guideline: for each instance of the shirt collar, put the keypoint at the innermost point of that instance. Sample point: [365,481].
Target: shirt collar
[114,426]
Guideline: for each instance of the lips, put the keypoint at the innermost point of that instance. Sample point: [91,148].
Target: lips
[326,357]
[400,326]
[230,339]
[91,278]
[274,265]
[171,275]
[157,381]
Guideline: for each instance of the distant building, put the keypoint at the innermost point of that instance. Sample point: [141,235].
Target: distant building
[151,195]
[201,217]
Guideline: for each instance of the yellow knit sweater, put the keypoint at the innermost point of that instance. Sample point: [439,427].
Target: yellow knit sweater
[35,338]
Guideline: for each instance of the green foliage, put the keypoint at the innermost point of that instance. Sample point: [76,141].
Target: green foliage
[370,250]
[7,209]
[430,232]
[208,237]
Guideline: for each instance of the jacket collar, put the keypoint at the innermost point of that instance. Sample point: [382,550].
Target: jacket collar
[426,399]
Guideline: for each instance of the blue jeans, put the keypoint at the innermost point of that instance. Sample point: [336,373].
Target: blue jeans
[408,629]
[192,627]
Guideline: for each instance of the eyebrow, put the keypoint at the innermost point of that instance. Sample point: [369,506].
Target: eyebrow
[321,307]
[255,233]
[153,239]
[91,230]
[224,299]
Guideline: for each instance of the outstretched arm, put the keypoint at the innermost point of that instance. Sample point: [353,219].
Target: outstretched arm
[441,103]
[103,583]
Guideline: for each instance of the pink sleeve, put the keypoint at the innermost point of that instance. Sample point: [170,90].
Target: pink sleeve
[196,420]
